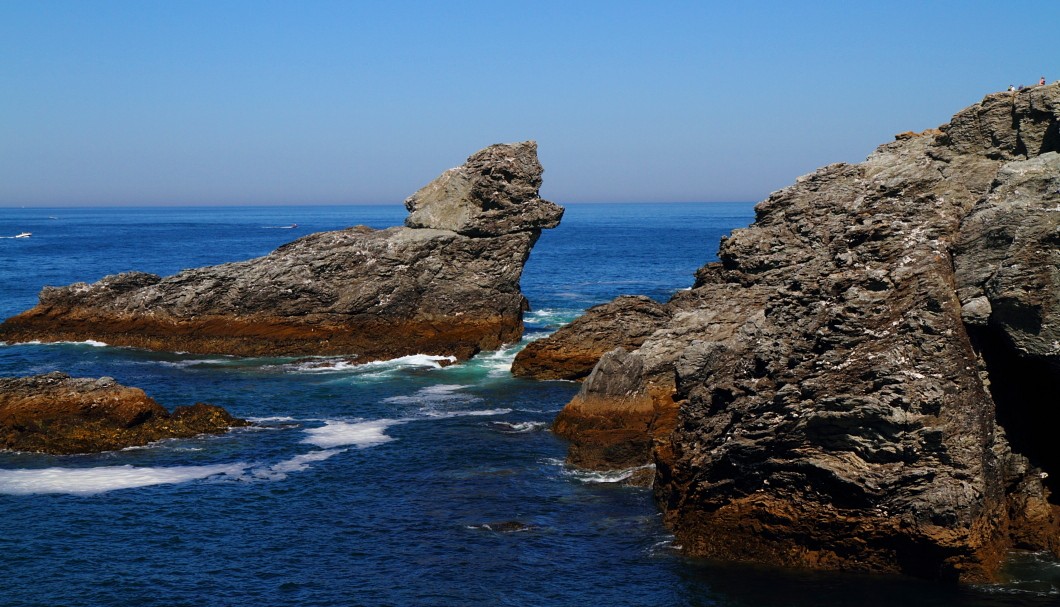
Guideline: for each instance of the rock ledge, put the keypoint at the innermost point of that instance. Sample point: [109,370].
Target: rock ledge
[55,413]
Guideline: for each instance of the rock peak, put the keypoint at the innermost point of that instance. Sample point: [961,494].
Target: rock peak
[446,285]
[494,193]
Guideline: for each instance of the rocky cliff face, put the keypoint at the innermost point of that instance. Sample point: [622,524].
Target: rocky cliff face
[447,283]
[866,379]
[55,413]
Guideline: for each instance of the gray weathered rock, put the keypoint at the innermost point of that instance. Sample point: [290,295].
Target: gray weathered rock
[447,290]
[834,409]
[493,193]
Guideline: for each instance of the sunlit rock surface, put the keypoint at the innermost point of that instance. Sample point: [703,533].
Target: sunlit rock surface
[446,284]
[866,379]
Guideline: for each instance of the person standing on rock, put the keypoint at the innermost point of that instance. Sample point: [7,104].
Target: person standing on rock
[1042,81]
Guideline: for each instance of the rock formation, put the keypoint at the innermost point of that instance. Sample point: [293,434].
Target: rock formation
[866,378]
[55,413]
[446,284]
[573,350]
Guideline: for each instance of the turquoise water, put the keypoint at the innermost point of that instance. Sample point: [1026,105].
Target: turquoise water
[397,483]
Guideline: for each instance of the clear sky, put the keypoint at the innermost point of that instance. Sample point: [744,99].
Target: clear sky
[229,102]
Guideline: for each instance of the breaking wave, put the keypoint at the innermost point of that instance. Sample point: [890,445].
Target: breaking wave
[342,434]
[88,481]
[597,476]
[519,427]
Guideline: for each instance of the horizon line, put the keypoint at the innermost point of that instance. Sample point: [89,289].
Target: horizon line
[325,204]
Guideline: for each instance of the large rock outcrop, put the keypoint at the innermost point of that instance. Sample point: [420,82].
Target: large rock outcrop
[866,379]
[447,283]
[59,414]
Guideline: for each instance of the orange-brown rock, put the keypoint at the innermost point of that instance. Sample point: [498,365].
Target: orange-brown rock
[614,421]
[55,413]
[573,350]
[446,283]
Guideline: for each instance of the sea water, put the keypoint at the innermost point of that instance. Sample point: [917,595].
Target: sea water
[405,482]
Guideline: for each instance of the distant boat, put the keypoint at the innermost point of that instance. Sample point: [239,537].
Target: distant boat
[24,235]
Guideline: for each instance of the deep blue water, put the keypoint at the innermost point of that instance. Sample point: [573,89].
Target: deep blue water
[376,485]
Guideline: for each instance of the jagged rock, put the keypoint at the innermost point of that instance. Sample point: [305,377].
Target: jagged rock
[449,285]
[573,350]
[616,418]
[55,413]
[866,379]
[492,194]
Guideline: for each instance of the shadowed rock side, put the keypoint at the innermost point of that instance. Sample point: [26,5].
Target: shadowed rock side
[446,284]
[867,379]
[55,413]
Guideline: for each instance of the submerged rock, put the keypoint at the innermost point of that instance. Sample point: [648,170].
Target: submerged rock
[56,413]
[865,381]
[445,284]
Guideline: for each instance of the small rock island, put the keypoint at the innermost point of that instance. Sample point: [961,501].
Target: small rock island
[867,379]
[446,283]
[58,414]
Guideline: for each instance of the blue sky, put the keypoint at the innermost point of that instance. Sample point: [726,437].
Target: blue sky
[226,102]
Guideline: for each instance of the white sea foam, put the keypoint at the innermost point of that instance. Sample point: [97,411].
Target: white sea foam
[373,368]
[341,434]
[413,360]
[87,342]
[322,366]
[441,393]
[477,413]
[548,316]
[196,362]
[596,476]
[87,481]
[277,418]
[520,427]
[609,476]
[664,547]
[499,362]
[298,463]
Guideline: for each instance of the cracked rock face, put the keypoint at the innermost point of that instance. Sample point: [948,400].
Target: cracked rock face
[865,381]
[447,284]
[59,414]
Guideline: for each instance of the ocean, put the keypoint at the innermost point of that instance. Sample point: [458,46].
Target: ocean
[403,482]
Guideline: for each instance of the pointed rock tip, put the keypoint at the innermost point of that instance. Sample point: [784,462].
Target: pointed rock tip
[495,192]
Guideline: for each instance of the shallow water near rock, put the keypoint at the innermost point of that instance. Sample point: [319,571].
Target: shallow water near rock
[407,482]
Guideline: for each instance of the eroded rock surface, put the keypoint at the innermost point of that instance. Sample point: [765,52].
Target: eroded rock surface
[866,379]
[446,284]
[56,413]
[573,350]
